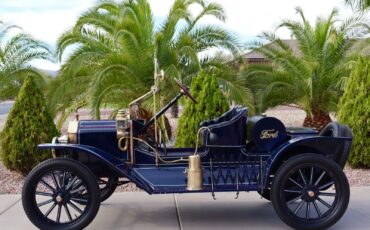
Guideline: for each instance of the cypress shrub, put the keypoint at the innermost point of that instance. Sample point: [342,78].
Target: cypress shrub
[211,104]
[354,110]
[29,123]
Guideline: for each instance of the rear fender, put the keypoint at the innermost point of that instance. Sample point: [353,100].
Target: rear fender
[327,146]
[106,159]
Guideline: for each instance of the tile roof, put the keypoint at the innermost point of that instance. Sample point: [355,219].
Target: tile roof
[292,43]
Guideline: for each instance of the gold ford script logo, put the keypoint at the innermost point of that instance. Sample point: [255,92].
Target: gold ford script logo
[269,134]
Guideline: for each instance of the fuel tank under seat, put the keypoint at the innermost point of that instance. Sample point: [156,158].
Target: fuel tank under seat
[228,130]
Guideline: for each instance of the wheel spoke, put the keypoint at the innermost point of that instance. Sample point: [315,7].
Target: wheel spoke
[307,210]
[317,208]
[327,185]
[324,202]
[293,200]
[50,210]
[293,191]
[68,212]
[302,176]
[311,175]
[327,194]
[63,179]
[45,202]
[75,207]
[295,182]
[55,180]
[78,190]
[58,213]
[320,177]
[43,193]
[47,185]
[71,183]
[299,207]
[80,200]
[76,186]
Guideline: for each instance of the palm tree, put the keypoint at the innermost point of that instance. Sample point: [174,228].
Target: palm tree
[360,5]
[114,46]
[309,80]
[17,51]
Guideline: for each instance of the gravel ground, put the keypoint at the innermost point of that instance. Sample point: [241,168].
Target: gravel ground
[12,182]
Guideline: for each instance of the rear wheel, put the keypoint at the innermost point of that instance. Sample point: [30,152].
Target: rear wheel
[51,195]
[107,186]
[321,192]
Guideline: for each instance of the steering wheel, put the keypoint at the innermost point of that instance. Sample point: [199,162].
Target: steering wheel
[185,90]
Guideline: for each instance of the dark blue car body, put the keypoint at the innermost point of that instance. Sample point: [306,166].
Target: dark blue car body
[238,153]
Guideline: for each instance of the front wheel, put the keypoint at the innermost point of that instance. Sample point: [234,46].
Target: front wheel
[51,195]
[320,188]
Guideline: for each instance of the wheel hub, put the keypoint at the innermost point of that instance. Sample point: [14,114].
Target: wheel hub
[310,193]
[59,199]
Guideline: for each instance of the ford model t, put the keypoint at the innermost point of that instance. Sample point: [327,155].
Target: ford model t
[298,169]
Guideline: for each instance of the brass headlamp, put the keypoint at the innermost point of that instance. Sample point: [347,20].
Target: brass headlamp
[122,125]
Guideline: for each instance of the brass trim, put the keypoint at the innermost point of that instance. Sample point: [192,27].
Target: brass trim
[121,118]
[132,113]
[269,134]
[195,174]
[63,139]
[72,131]
[132,159]
[125,146]
[54,141]
[73,126]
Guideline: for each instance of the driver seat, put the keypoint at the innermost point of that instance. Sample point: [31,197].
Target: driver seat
[228,130]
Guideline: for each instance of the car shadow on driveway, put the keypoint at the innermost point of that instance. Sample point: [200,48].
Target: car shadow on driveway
[227,212]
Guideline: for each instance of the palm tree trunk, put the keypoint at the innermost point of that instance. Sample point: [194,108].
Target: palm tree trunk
[175,110]
[318,120]
[146,115]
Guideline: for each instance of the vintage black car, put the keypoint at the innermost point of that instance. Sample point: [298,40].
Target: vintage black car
[298,169]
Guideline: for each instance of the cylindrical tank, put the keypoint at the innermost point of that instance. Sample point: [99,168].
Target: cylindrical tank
[195,175]
[265,133]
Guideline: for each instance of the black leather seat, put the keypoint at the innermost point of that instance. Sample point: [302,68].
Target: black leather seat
[228,130]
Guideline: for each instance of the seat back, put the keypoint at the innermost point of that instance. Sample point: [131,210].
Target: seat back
[228,130]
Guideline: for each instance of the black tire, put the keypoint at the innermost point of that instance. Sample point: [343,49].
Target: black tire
[266,194]
[346,132]
[334,129]
[311,193]
[58,181]
[107,187]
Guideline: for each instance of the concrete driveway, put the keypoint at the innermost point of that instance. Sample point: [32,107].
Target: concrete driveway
[137,210]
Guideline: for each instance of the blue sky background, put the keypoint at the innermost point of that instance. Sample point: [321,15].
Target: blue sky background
[47,19]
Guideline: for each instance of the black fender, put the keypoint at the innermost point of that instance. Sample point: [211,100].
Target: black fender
[104,158]
[327,146]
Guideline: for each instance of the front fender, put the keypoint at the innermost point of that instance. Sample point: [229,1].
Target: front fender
[328,146]
[106,159]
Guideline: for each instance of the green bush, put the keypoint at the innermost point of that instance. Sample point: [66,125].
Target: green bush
[211,104]
[29,123]
[354,110]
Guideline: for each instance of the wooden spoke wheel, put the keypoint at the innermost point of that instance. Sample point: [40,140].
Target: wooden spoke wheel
[61,194]
[320,192]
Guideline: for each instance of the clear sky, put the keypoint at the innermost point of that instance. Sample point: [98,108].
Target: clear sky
[47,19]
